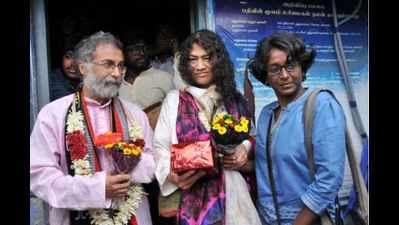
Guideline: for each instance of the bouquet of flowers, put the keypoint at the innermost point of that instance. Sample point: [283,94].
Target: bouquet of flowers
[125,155]
[228,132]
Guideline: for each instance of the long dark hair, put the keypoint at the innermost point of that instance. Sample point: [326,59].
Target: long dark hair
[222,67]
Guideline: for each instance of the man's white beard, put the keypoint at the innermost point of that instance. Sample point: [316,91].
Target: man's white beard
[105,88]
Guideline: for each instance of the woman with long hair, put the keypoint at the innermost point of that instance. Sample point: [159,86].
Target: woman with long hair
[218,196]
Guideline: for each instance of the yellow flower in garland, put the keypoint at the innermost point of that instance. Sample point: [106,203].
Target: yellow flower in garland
[222,130]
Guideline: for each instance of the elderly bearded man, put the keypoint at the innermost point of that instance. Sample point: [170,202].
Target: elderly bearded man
[68,169]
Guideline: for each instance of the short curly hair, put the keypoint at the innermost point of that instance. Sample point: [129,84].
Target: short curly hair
[222,66]
[288,42]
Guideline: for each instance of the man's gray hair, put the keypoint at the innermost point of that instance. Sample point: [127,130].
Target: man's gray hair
[84,50]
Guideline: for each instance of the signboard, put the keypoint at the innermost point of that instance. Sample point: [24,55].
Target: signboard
[241,24]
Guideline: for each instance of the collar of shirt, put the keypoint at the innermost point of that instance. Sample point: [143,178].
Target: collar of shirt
[94,103]
[294,103]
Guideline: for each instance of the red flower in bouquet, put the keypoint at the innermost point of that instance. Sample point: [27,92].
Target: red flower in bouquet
[126,155]
[77,144]
[108,138]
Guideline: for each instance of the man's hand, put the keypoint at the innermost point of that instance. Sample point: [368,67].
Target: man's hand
[187,179]
[237,159]
[116,186]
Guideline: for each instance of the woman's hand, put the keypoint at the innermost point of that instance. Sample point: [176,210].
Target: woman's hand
[186,179]
[237,159]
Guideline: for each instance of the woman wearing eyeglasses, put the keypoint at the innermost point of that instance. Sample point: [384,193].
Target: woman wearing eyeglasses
[287,192]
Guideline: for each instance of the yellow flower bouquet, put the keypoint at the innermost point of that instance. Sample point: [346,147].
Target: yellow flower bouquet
[126,155]
[228,131]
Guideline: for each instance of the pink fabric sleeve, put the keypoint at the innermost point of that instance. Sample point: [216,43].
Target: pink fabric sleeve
[48,171]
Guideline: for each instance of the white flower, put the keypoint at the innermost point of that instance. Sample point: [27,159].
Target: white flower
[135,131]
[126,209]
[81,166]
[75,122]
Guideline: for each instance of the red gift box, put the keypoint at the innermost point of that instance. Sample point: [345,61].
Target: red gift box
[191,156]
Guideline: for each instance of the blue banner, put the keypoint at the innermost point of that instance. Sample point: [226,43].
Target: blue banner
[241,24]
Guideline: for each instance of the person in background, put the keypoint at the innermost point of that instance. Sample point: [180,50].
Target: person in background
[142,84]
[281,62]
[69,169]
[166,45]
[166,55]
[147,87]
[65,80]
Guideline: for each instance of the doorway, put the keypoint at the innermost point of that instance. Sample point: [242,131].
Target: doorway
[66,18]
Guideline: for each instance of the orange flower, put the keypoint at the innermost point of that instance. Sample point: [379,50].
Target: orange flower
[108,138]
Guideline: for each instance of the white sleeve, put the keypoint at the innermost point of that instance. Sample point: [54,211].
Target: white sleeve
[164,136]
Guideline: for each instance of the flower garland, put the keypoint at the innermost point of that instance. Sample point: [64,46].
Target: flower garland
[126,209]
[81,165]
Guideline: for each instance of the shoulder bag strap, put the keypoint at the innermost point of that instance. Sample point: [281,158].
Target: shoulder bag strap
[270,171]
[308,111]
[358,180]
[308,125]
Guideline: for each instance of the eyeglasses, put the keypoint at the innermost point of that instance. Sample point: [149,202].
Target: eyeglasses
[110,65]
[276,69]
